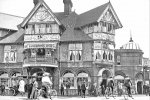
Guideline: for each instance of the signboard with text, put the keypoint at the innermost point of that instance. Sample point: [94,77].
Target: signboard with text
[48,37]
[40,45]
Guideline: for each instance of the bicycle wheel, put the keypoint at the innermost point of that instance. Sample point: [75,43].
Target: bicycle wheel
[54,93]
[106,94]
[11,92]
[126,95]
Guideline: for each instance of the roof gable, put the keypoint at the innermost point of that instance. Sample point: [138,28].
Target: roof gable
[110,15]
[90,16]
[96,15]
[41,12]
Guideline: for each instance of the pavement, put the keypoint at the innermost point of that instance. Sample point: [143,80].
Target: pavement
[136,97]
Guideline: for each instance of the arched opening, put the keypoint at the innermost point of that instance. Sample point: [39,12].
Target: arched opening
[104,74]
[14,81]
[83,77]
[139,78]
[68,77]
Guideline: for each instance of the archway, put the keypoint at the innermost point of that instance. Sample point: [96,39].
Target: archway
[82,76]
[14,81]
[68,76]
[103,74]
[139,81]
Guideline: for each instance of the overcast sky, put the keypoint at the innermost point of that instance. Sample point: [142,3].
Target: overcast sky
[133,14]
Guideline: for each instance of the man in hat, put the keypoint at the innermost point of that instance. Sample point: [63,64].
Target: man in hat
[110,85]
[128,85]
[83,88]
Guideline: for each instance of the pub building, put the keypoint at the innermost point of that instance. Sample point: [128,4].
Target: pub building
[72,47]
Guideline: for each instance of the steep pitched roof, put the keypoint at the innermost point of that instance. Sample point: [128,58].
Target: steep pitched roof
[90,16]
[14,38]
[95,15]
[70,33]
[41,2]
[8,21]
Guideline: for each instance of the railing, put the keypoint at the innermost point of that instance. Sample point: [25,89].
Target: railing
[40,59]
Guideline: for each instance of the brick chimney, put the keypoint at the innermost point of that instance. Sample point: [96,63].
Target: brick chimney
[67,6]
[35,2]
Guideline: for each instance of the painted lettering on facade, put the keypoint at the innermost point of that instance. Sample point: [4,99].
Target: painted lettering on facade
[40,45]
[41,37]
[103,36]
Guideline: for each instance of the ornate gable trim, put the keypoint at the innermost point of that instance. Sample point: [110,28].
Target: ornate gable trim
[110,9]
[33,11]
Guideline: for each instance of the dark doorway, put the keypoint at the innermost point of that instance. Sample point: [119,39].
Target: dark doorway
[139,87]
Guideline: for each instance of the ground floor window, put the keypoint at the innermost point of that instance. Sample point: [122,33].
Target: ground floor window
[68,77]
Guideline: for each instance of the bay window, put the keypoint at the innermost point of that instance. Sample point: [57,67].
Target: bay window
[75,52]
[42,28]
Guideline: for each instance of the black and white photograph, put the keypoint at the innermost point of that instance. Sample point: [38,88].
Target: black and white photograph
[74,49]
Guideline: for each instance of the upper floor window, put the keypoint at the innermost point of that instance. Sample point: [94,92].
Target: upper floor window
[75,52]
[118,59]
[97,50]
[42,28]
[10,54]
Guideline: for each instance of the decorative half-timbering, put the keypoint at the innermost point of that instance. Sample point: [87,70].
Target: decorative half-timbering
[42,15]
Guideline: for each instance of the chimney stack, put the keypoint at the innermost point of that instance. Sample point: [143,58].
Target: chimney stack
[35,2]
[67,6]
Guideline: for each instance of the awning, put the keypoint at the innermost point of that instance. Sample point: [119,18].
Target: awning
[38,65]
[119,77]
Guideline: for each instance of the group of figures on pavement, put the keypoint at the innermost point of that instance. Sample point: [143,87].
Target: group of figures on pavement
[31,87]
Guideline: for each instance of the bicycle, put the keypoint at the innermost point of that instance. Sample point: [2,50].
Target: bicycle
[126,93]
[108,92]
[52,93]
[9,91]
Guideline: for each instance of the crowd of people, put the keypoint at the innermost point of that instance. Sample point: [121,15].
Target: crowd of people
[32,87]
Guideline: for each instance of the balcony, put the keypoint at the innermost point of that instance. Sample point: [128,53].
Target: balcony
[40,61]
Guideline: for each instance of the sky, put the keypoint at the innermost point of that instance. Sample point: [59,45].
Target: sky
[133,14]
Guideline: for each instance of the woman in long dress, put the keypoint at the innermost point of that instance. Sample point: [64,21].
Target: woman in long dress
[21,86]
[34,92]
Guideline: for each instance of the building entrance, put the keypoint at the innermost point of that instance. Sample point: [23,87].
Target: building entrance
[139,87]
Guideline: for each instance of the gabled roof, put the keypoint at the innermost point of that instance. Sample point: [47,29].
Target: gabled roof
[8,21]
[41,2]
[14,38]
[70,33]
[94,15]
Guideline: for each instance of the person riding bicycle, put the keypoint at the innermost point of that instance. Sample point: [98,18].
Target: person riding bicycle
[110,84]
[46,83]
[128,85]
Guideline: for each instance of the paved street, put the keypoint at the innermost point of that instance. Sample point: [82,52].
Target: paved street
[136,97]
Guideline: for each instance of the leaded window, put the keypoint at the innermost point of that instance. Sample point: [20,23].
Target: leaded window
[75,52]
